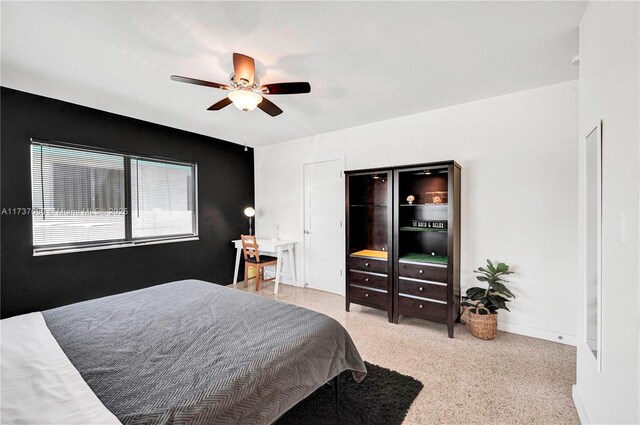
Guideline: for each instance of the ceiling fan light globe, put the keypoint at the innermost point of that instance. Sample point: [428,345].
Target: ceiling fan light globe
[245,100]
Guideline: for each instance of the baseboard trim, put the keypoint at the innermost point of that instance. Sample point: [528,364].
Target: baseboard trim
[537,333]
[577,401]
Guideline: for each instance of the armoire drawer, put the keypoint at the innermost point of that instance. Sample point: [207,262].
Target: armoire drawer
[423,272]
[367,279]
[422,289]
[368,265]
[422,309]
[367,297]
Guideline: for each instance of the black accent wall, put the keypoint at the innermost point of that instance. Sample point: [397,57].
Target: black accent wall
[225,188]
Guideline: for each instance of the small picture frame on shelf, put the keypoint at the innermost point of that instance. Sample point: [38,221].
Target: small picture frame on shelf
[436,197]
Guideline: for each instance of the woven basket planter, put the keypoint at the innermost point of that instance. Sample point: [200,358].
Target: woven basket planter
[464,315]
[483,326]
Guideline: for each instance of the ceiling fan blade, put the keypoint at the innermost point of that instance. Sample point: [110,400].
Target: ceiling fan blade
[269,107]
[286,88]
[219,105]
[244,68]
[200,82]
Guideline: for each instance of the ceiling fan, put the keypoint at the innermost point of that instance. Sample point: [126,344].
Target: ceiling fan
[245,91]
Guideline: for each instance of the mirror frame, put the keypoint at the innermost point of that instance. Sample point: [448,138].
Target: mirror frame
[598,244]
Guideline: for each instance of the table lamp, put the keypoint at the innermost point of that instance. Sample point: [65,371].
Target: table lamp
[249,212]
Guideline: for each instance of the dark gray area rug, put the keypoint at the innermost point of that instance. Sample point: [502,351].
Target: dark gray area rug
[384,398]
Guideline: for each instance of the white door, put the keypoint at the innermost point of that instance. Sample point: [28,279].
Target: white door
[323,225]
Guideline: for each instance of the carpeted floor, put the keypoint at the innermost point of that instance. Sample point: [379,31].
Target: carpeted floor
[382,398]
[510,380]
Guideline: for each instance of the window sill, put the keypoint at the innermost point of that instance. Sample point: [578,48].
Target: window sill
[43,251]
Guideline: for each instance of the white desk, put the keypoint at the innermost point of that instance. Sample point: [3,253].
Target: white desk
[270,246]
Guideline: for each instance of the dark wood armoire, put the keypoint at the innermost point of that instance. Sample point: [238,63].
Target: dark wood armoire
[403,241]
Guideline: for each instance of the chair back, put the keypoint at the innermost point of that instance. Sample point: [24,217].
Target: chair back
[250,247]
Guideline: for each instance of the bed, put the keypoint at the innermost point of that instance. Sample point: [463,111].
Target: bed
[182,352]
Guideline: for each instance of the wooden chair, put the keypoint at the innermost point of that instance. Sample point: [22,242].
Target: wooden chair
[252,258]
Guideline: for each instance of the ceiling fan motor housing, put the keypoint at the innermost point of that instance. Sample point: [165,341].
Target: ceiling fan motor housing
[243,83]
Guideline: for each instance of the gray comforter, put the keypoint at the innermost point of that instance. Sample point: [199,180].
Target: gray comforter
[198,353]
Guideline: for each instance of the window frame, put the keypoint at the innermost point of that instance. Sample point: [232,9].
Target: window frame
[128,240]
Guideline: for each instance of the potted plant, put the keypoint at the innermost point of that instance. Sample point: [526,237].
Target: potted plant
[484,303]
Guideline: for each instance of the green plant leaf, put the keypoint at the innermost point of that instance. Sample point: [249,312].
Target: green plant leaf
[498,294]
[483,273]
[498,302]
[499,287]
[475,293]
[502,267]
[490,266]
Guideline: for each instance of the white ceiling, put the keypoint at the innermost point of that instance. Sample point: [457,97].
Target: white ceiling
[366,61]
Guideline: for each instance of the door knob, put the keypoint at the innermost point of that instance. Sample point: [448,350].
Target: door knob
[307,232]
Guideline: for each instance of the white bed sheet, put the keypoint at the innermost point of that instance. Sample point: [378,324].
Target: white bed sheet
[38,383]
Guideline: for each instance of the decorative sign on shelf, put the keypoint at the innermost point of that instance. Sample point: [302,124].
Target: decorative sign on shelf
[430,224]
[436,197]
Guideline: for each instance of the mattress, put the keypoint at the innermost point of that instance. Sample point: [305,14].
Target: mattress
[198,353]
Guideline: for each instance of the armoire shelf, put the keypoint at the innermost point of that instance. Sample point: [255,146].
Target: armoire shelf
[414,257]
[371,253]
[399,256]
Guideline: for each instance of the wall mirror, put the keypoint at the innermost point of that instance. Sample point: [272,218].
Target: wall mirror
[593,243]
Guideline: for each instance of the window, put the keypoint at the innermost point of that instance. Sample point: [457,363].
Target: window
[161,199]
[84,199]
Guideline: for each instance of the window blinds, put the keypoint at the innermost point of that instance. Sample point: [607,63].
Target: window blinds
[79,198]
[161,199]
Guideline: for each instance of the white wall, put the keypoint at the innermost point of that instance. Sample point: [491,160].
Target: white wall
[519,189]
[609,90]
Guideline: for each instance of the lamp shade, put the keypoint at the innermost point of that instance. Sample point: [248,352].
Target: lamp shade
[249,212]
[245,100]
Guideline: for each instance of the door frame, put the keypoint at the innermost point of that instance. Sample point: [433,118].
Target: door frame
[304,219]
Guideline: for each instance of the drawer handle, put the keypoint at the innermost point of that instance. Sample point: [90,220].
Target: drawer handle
[366,279]
[367,296]
[420,306]
[421,289]
[366,264]
[420,271]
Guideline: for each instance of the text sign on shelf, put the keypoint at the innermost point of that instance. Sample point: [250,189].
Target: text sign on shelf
[430,224]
